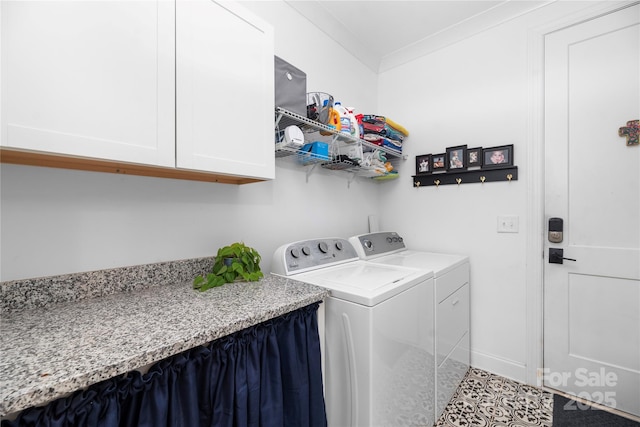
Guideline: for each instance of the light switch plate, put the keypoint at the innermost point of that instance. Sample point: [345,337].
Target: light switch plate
[508,224]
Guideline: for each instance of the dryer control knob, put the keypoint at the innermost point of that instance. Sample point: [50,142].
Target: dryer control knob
[323,247]
[306,250]
[295,252]
[368,245]
[389,239]
[400,239]
[339,246]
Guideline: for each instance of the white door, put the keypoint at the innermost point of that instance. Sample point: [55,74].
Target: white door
[224,89]
[90,78]
[592,179]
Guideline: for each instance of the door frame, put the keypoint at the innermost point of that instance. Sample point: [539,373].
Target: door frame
[535,182]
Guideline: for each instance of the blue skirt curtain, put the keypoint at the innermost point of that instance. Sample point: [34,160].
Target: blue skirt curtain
[266,375]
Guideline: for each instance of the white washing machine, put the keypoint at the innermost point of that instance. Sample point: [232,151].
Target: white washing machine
[376,331]
[450,299]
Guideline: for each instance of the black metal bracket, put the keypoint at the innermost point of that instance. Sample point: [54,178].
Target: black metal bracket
[478,176]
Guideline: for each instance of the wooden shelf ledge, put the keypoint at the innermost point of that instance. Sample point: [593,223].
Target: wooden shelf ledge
[32,158]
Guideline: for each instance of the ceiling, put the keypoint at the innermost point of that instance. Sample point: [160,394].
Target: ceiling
[384,34]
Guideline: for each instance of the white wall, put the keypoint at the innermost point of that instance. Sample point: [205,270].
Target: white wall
[60,221]
[473,93]
[476,92]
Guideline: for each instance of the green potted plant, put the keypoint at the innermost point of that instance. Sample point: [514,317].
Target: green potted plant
[236,262]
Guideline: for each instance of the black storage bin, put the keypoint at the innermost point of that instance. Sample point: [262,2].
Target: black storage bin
[290,89]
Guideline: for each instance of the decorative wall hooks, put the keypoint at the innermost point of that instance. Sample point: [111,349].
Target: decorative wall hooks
[631,132]
[462,165]
[480,176]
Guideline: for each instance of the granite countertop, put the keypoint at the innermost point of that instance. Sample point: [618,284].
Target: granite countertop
[48,352]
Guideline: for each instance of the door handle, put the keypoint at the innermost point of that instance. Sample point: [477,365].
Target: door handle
[556,256]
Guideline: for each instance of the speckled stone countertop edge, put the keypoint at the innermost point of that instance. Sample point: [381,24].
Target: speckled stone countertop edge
[227,310]
[37,292]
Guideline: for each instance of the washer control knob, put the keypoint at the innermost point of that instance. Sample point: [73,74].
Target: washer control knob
[339,246]
[400,239]
[389,239]
[306,250]
[295,252]
[323,247]
[368,245]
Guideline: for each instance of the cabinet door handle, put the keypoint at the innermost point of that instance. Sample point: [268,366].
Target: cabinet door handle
[454,302]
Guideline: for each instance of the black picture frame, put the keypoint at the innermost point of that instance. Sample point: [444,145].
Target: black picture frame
[497,157]
[423,164]
[474,157]
[456,158]
[438,162]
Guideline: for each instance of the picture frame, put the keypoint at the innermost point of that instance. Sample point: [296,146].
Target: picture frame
[497,157]
[423,164]
[456,158]
[474,157]
[438,162]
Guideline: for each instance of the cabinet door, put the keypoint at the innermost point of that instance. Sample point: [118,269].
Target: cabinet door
[90,78]
[224,89]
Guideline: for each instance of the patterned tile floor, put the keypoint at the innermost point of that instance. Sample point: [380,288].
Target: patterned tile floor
[487,400]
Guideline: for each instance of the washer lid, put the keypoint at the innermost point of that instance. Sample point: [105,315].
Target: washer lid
[364,282]
[436,262]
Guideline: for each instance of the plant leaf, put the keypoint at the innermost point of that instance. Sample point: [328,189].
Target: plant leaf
[227,251]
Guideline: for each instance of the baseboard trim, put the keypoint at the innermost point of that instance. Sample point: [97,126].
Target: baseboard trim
[500,366]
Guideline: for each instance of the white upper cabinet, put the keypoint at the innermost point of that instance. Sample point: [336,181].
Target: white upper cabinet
[175,88]
[90,78]
[225,89]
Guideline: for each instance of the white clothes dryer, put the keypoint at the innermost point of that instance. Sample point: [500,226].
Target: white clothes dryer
[375,330]
[450,304]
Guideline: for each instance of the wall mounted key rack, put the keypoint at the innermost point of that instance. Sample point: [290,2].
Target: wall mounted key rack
[478,176]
